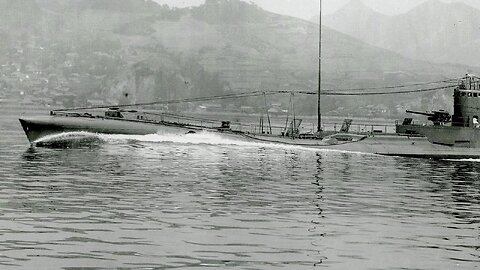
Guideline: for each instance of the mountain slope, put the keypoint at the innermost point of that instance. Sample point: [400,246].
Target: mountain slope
[433,31]
[98,51]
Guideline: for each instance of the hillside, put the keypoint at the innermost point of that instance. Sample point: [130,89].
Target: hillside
[433,31]
[80,52]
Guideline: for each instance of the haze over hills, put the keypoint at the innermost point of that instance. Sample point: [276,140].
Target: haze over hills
[306,9]
[433,31]
[99,50]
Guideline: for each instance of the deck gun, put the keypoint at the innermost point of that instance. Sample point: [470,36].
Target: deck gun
[437,117]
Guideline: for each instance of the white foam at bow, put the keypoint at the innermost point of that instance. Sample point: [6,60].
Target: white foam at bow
[77,135]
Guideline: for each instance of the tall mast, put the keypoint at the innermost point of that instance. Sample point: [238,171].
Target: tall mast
[319,112]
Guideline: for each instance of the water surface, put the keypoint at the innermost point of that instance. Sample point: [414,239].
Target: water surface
[202,201]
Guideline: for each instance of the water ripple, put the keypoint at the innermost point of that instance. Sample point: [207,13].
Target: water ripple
[152,203]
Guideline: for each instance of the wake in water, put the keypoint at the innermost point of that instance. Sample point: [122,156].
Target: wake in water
[209,138]
[203,137]
[199,138]
[70,140]
[87,139]
[464,160]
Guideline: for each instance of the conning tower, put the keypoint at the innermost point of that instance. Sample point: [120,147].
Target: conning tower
[466,102]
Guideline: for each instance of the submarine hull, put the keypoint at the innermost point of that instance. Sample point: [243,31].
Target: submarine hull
[419,147]
[435,144]
[41,127]
[386,144]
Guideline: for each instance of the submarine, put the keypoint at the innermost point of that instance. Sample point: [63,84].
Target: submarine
[448,136]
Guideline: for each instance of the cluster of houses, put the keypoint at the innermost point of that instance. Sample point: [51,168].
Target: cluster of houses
[24,82]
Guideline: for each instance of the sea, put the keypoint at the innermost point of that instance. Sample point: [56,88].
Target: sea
[201,201]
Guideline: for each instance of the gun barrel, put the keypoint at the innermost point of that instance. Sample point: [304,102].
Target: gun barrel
[421,113]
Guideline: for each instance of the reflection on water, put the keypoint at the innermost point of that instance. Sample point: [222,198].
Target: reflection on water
[156,203]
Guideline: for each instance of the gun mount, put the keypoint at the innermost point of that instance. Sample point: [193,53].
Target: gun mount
[437,117]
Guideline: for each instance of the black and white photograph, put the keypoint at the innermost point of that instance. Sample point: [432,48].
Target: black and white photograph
[240,134]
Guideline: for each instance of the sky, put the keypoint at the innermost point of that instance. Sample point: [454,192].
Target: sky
[306,9]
